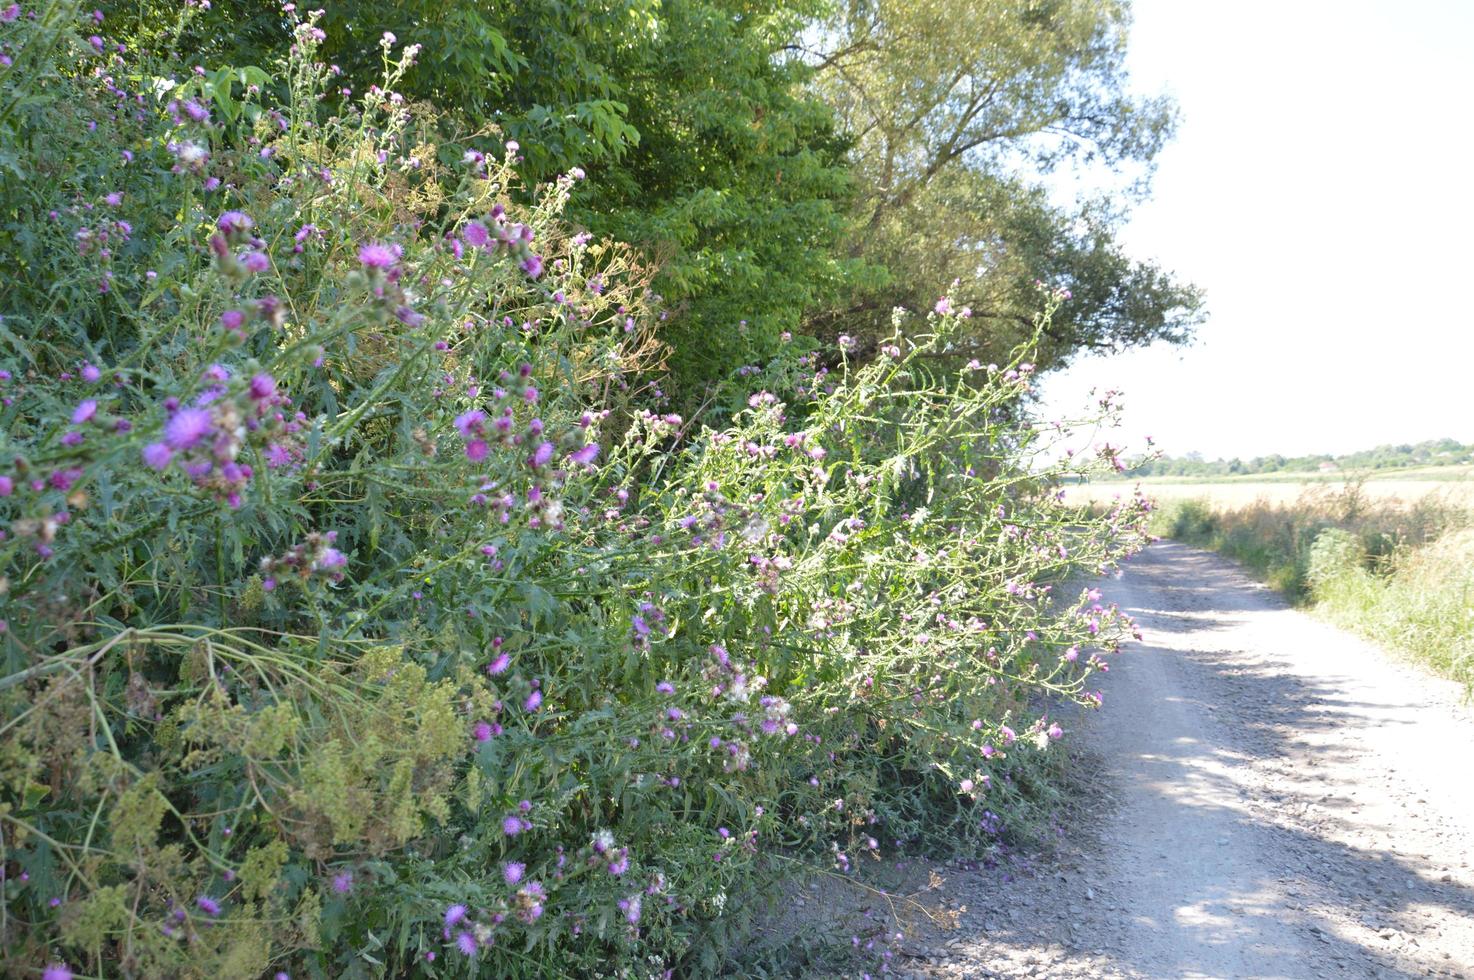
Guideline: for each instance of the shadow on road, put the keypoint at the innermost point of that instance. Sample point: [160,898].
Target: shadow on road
[1278,838]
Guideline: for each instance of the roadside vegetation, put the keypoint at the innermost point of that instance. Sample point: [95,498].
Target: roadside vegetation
[1400,573]
[413,561]
[789,166]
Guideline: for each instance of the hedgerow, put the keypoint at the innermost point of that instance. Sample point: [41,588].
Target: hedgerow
[364,614]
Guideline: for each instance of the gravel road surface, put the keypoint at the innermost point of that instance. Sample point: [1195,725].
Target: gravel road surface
[1279,799]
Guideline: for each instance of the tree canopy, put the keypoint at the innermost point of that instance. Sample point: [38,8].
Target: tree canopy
[797,166]
[957,110]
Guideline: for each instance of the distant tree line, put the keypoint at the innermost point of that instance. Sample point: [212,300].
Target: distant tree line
[1432,452]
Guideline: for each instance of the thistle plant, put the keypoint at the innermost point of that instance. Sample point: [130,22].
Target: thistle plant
[363,614]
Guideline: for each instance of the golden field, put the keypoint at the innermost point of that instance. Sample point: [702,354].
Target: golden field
[1453,486]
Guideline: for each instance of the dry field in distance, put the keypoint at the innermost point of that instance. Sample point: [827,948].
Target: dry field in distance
[1451,484]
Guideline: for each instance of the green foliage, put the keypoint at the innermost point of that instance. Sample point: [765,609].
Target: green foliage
[738,188]
[1189,520]
[700,144]
[956,107]
[1402,576]
[795,166]
[1420,602]
[350,593]
[1333,552]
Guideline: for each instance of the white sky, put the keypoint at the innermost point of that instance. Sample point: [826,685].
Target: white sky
[1321,189]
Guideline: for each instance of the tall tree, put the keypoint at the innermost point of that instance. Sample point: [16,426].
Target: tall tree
[957,108]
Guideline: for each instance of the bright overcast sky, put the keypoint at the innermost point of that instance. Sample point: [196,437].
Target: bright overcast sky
[1321,190]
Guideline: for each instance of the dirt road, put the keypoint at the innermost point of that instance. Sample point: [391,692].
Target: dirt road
[1281,800]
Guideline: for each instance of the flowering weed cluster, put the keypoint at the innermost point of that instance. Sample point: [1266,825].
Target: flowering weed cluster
[363,615]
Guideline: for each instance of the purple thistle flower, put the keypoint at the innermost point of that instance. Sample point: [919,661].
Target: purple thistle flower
[512,871]
[497,666]
[208,905]
[156,455]
[263,386]
[532,265]
[329,559]
[235,221]
[455,915]
[232,319]
[482,732]
[256,261]
[476,234]
[7,487]
[63,479]
[378,256]
[343,882]
[187,428]
[586,454]
[469,423]
[84,412]
[56,971]
[541,455]
[534,701]
[477,450]
[466,943]
[90,373]
[512,826]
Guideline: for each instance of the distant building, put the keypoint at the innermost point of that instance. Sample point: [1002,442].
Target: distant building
[1326,466]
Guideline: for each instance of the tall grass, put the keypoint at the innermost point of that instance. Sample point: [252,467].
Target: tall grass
[1402,575]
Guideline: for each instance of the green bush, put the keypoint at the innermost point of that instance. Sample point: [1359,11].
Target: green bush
[1187,520]
[1334,553]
